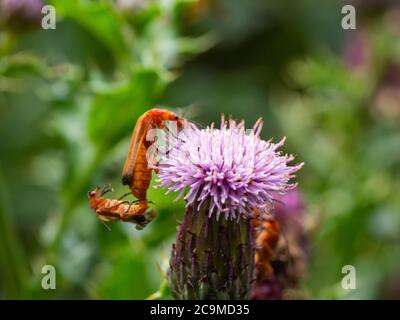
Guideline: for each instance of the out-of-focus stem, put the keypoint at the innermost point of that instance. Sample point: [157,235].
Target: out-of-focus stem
[14,266]
[160,293]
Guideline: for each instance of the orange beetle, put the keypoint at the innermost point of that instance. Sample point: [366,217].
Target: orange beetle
[266,232]
[136,173]
[112,210]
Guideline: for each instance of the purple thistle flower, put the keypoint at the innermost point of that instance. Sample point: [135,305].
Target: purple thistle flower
[230,170]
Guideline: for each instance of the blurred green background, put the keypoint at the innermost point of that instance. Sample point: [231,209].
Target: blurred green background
[70,97]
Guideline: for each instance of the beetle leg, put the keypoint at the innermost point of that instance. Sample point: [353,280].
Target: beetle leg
[123,196]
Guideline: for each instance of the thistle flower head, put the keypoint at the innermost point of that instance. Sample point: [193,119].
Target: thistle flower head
[229,169]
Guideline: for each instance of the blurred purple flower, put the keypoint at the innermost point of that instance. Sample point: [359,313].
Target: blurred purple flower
[373,5]
[21,15]
[387,93]
[289,207]
[233,170]
[290,257]
[357,51]
[267,289]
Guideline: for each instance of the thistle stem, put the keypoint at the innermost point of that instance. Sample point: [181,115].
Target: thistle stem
[211,258]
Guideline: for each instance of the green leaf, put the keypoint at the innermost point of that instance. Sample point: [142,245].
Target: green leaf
[100,18]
